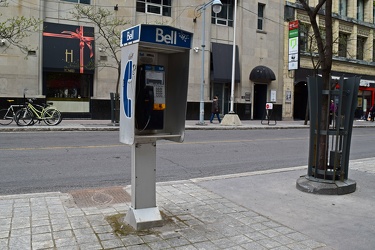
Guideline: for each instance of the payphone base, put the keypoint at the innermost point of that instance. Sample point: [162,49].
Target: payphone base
[144,218]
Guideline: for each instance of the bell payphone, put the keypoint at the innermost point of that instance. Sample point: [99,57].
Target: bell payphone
[155,73]
[150,98]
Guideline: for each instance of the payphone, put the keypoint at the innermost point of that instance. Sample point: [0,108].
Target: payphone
[150,97]
[155,73]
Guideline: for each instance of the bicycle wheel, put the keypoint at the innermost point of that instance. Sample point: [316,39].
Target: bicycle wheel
[24,117]
[52,116]
[6,117]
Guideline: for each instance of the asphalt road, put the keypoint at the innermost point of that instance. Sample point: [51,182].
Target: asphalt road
[62,161]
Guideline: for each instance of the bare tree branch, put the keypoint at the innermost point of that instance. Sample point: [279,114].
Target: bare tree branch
[15,29]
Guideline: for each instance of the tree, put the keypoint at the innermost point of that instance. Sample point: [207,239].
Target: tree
[15,29]
[325,53]
[108,35]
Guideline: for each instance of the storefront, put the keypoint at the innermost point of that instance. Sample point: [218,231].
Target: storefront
[68,67]
[366,92]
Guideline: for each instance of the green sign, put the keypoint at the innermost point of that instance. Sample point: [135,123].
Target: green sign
[293,33]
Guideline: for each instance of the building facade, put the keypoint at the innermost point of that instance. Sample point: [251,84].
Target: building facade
[353,50]
[63,63]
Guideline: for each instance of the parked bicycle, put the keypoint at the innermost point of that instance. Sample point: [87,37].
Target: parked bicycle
[34,112]
[8,115]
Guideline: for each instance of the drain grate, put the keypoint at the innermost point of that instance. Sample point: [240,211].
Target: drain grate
[100,196]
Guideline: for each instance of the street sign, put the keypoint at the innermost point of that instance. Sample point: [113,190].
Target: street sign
[293,45]
[269,105]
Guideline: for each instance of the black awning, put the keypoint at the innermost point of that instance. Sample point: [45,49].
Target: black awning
[262,74]
[222,63]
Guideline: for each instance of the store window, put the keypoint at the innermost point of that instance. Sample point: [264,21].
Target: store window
[78,1]
[158,7]
[261,8]
[225,16]
[68,86]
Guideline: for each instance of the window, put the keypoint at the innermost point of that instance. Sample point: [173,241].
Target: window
[360,10]
[158,7]
[78,1]
[343,8]
[261,8]
[373,50]
[360,47]
[225,16]
[343,44]
[304,37]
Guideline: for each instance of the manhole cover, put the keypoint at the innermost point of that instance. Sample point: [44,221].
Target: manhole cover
[100,196]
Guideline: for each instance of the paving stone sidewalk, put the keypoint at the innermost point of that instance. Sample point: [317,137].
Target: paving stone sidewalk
[194,217]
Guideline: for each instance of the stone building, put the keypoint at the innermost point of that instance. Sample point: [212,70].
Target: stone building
[51,71]
[353,49]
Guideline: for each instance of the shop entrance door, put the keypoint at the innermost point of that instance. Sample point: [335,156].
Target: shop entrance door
[222,91]
[260,99]
[300,101]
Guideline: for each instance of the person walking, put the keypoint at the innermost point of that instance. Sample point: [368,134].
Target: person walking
[332,110]
[372,112]
[215,109]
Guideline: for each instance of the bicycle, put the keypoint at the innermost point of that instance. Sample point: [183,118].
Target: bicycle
[46,112]
[8,115]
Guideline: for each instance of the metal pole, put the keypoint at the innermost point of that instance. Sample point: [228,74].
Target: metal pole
[231,111]
[201,106]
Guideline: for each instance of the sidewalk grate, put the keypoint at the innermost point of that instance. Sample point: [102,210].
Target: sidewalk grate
[100,196]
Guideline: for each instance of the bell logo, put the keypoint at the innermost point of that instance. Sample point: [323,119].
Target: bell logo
[130,35]
[167,38]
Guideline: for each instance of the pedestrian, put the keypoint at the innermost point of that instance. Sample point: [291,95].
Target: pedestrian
[372,112]
[332,109]
[215,109]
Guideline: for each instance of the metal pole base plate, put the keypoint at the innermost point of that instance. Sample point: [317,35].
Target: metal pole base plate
[231,120]
[319,187]
[144,218]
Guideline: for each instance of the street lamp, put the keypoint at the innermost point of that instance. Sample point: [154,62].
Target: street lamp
[233,59]
[232,118]
[216,8]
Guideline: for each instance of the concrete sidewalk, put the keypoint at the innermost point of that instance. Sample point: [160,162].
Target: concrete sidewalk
[255,210]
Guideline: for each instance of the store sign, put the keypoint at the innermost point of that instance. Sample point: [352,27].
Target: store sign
[293,45]
[68,48]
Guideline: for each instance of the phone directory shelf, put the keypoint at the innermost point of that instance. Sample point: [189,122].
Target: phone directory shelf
[157,136]
[154,73]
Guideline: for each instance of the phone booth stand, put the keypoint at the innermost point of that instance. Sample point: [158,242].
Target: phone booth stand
[154,73]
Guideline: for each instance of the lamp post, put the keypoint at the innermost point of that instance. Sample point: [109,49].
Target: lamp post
[232,118]
[231,111]
[216,8]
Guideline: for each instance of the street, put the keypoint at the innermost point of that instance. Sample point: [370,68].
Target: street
[62,161]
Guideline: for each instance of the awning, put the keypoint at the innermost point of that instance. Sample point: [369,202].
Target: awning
[222,63]
[262,74]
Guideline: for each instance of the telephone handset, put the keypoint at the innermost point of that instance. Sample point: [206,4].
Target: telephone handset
[150,98]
